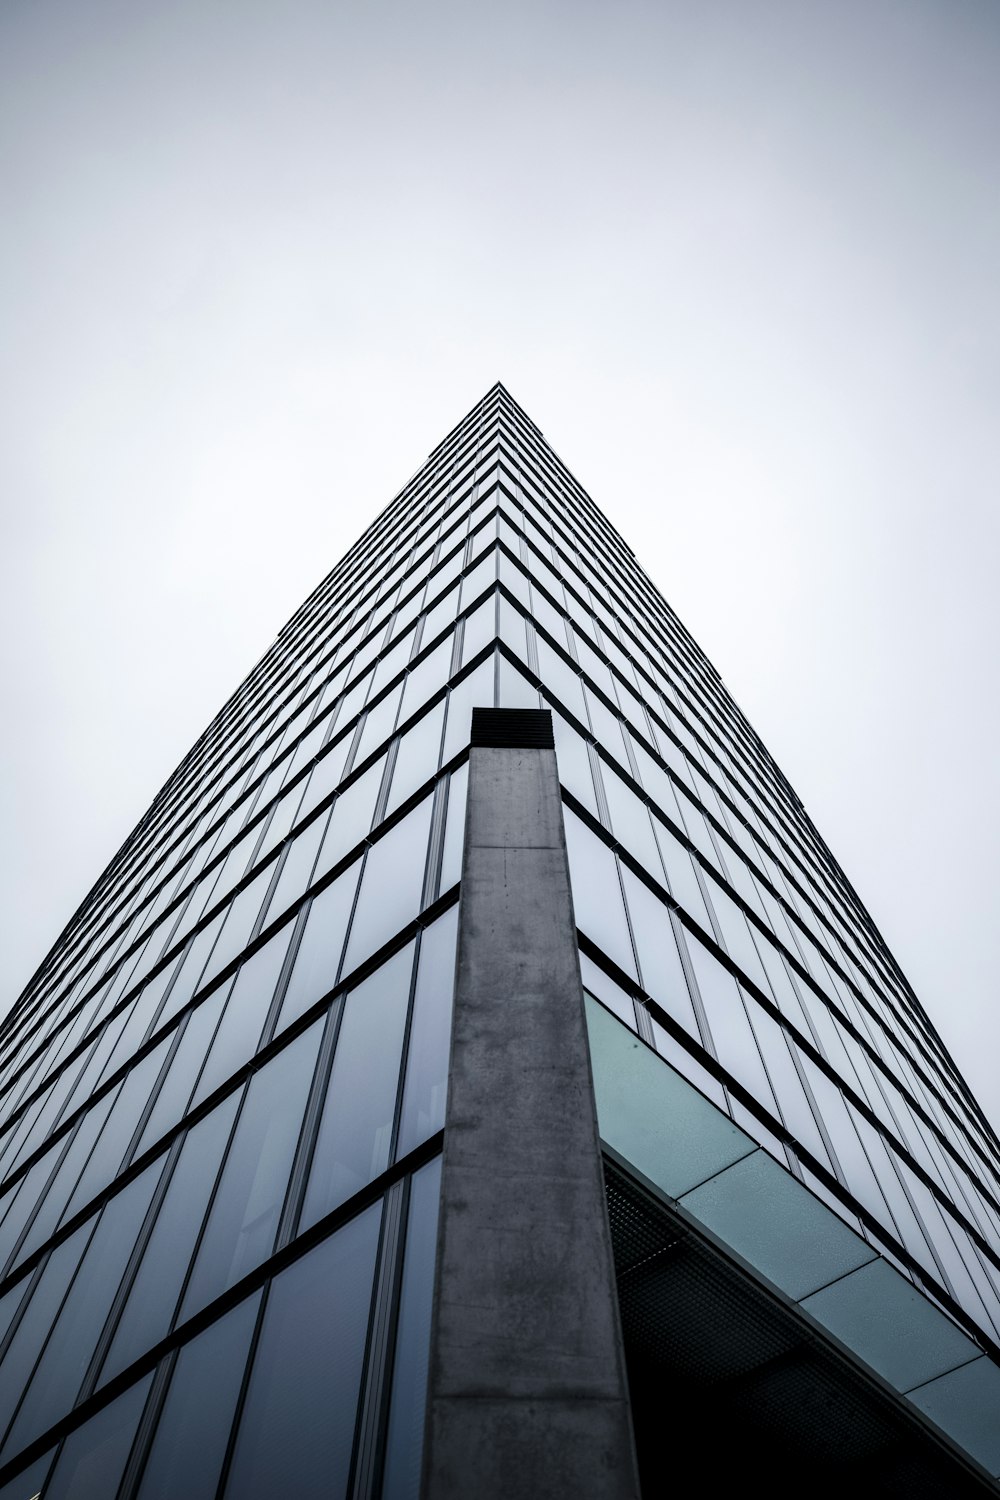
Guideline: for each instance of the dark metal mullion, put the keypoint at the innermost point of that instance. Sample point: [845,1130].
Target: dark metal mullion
[309,1131]
[30,1283]
[404,1055]
[9,1265]
[128,1277]
[435,842]
[241,1398]
[206,1216]
[155,1092]
[374,1396]
[6,1431]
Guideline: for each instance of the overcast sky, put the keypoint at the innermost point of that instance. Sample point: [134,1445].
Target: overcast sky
[738,260]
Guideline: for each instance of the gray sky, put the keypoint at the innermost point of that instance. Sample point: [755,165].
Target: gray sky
[738,260]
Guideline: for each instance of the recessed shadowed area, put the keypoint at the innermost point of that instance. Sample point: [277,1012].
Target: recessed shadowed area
[728,1380]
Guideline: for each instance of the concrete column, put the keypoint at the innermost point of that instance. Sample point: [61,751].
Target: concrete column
[527,1394]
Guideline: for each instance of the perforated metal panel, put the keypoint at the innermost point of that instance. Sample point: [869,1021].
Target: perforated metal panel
[728,1377]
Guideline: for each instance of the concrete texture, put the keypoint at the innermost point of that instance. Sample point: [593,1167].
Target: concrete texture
[528,1394]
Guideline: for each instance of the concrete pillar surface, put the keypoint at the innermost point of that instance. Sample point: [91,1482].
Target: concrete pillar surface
[528,1393]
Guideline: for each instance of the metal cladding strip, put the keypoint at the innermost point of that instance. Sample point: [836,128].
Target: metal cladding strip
[527,1394]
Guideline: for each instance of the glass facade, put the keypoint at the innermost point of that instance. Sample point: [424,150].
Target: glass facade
[223,1093]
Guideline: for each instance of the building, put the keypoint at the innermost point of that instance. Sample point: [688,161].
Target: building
[304,1161]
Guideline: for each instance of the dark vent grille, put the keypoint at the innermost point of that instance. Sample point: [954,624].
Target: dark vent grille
[515,728]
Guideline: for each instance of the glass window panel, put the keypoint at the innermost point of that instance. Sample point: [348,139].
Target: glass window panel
[149,1310]
[792,1101]
[735,1045]
[660,968]
[243,1222]
[56,1382]
[191,1436]
[317,962]
[391,885]
[281,819]
[130,1038]
[596,669]
[480,629]
[408,1400]
[41,1115]
[941,1230]
[379,723]
[681,878]
[175,1091]
[475,691]
[190,970]
[454,833]
[687,1065]
[513,578]
[239,924]
[514,689]
[610,994]
[441,614]
[234,866]
[559,676]
[393,661]
[736,933]
[657,783]
[54,1201]
[651,1114]
[630,822]
[597,897]
[38,1318]
[429,1046]
[246,1010]
[9,1304]
[510,627]
[326,775]
[417,757]
[482,575]
[548,619]
[697,829]
[93,1459]
[28,1485]
[781,985]
[296,872]
[574,762]
[351,818]
[355,1132]
[353,699]
[758,1207]
[423,680]
[307,748]
[21,1201]
[851,1156]
[107,1155]
[296,1434]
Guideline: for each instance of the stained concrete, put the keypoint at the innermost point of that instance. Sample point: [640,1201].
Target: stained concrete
[528,1393]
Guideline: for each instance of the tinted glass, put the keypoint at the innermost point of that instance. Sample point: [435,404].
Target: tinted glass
[405,1437]
[243,1222]
[56,1381]
[297,1429]
[191,1435]
[93,1460]
[246,1011]
[356,1129]
[429,1045]
[317,962]
[149,1310]
[390,886]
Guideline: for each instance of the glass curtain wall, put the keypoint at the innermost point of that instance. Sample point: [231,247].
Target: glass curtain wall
[223,1092]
